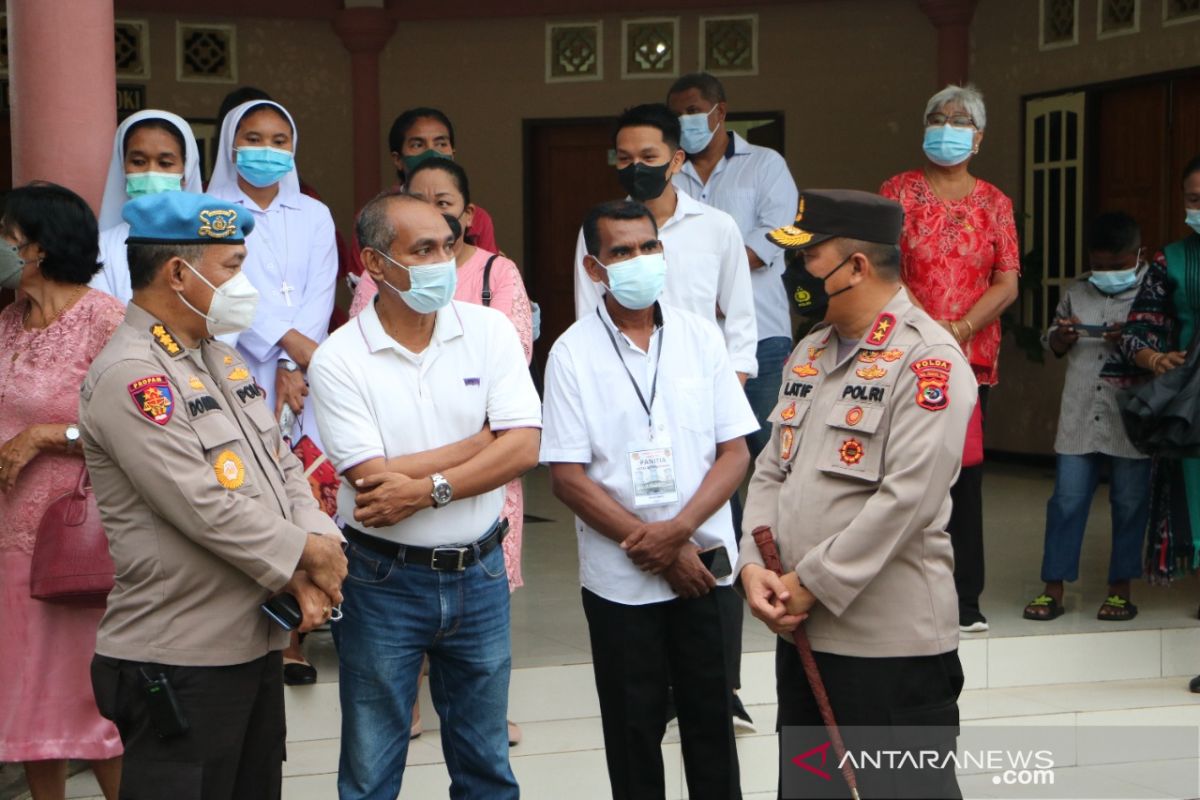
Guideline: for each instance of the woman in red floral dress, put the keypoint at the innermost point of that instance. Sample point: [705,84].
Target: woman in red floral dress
[960,261]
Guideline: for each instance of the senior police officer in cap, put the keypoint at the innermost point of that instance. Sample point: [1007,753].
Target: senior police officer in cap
[208,515]
[866,441]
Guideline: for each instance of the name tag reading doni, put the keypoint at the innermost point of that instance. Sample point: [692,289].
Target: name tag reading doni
[652,465]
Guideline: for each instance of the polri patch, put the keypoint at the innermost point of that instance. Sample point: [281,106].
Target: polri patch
[933,379]
[153,398]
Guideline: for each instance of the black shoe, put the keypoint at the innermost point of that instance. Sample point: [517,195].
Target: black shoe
[298,673]
[1194,686]
[971,620]
[741,718]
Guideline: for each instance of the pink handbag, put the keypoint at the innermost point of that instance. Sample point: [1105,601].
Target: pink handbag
[71,563]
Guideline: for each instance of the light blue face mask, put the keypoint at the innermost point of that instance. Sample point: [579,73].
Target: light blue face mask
[637,283]
[1114,281]
[947,146]
[264,166]
[143,183]
[1193,219]
[694,132]
[431,286]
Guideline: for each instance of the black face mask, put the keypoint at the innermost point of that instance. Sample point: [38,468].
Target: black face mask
[642,182]
[807,290]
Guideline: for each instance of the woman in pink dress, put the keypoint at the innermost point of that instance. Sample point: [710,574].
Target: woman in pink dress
[443,183]
[960,260]
[49,336]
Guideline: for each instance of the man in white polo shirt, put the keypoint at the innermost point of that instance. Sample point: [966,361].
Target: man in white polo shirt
[644,432]
[426,408]
[707,270]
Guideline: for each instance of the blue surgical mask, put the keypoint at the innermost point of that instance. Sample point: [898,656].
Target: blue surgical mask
[1193,219]
[1114,281]
[637,283]
[695,134]
[431,286]
[264,166]
[143,183]
[946,145]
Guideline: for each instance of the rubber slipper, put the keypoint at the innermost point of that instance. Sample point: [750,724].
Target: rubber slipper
[298,673]
[1054,609]
[1120,609]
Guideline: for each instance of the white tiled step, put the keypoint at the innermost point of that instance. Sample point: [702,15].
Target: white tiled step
[562,754]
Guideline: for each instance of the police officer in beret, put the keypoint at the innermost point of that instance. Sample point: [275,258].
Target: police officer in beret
[866,441]
[208,514]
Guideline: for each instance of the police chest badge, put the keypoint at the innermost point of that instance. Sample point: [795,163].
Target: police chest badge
[933,378]
[239,374]
[153,398]
[851,452]
[805,370]
[787,438]
[231,472]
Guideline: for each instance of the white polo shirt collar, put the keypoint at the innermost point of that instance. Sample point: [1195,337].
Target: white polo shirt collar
[446,327]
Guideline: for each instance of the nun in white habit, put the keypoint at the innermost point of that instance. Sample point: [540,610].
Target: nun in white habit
[153,151]
[291,258]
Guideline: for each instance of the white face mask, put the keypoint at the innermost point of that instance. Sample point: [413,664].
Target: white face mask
[233,304]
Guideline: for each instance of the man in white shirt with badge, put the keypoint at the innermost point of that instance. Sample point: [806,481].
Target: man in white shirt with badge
[707,271]
[427,410]
[645,426]
[753,185]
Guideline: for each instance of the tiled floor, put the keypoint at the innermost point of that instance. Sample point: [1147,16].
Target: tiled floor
[1073,671]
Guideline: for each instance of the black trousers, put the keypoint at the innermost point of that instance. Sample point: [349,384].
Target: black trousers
[966,528]
[732,606]
[904,691]
[639,651]
[234,747]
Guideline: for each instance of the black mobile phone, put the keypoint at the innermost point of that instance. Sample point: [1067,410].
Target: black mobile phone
[284,609]
[716,561]
[166,715]
[1091,330]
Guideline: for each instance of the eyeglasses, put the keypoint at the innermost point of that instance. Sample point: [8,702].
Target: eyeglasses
[956,120]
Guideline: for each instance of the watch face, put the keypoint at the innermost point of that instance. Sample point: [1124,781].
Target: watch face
[442,492]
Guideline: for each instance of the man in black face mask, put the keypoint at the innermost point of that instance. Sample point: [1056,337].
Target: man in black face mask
[707,269]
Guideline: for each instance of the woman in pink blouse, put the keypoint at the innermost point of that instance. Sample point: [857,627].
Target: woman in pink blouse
[960,260]
[49,337]
[484,278]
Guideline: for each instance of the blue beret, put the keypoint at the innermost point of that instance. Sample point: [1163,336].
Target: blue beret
[186,218]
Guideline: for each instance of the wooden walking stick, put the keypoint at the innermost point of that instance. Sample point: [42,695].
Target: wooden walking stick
[770,556]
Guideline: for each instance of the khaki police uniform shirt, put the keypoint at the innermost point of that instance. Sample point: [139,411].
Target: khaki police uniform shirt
[855,483]
[205,508]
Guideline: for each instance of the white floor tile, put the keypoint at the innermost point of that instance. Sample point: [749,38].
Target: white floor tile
[1032,660]
[1181,651]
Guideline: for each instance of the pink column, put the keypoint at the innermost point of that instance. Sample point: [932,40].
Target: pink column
[62,91]
[364,32]
[952,18]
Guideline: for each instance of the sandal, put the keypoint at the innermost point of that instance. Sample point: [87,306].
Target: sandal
[298,673]
[1116,609]
[1043,608]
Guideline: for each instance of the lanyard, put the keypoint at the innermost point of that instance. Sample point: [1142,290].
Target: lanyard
[636,388]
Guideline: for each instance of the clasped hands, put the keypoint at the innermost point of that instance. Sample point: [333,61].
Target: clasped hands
[780,601]
[663,548]
[317,582]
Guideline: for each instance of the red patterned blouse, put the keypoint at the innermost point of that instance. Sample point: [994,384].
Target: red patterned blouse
[950,249]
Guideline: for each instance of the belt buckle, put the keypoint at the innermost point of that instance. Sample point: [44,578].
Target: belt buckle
[458,565]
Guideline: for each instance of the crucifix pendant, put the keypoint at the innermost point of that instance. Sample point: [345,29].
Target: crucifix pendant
[286,291]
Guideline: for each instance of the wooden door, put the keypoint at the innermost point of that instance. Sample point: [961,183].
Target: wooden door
[1131,159]
[568,171]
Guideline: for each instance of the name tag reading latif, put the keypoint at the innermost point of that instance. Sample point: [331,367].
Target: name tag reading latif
[653,468]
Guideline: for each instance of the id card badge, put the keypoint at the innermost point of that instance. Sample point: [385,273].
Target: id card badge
[652,465]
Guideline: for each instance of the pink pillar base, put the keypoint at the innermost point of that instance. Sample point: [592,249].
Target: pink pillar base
[62,92]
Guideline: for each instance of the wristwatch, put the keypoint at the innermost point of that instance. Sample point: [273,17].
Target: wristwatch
[442,492]
[72,434]
[288,364]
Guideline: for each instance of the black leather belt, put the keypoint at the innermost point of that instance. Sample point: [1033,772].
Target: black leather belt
[440,559]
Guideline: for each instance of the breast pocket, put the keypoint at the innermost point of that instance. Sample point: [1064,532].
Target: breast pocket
[693,280]
[789,414]
[852,441]
[227,453]
[693,405]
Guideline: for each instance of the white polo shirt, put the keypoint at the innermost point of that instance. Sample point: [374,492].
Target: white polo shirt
[753,185]
[707,271]
[375,399]
[593,414]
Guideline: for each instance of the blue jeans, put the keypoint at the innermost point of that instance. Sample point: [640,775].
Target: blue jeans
[763,391]
[1075,482]
[395,613]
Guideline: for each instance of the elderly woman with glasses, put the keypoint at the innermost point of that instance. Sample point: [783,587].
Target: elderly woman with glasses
[960,261]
